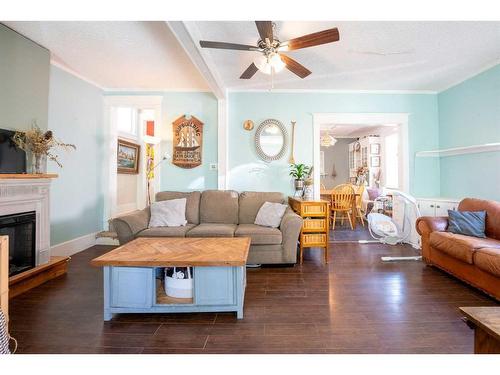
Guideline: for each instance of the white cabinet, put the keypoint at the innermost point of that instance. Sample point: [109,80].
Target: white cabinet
[436,206]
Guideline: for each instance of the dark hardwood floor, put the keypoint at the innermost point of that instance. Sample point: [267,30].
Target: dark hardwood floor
[356,304]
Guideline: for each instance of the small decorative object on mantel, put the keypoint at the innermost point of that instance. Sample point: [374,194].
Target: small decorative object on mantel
[248,125]
[188,140]
[38,146]
[299,172]
[128,157]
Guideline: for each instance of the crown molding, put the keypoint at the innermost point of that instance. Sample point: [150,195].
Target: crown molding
[108,91]
[75,74]
[469,76]
[328,91]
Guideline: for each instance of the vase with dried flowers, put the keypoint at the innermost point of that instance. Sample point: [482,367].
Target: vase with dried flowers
[39,146]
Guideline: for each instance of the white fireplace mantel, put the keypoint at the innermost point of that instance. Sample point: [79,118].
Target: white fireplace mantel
[27,194]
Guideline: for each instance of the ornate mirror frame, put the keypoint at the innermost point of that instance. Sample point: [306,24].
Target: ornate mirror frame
[258,132]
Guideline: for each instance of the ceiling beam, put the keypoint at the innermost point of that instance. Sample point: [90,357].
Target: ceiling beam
[188,37]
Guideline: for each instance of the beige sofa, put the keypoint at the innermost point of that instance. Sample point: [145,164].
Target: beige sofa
[217,213]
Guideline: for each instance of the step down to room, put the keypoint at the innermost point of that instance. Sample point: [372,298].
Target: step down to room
[106,237]
[34,277]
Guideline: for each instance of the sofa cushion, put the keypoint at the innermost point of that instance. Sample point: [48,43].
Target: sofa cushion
[459,246]
[259,235]
[219,206]
[169,213]
[270,214]
[468,223]
[212,230]
[488,259]
[166,231]
[192,203]
[251,201]
[492,209]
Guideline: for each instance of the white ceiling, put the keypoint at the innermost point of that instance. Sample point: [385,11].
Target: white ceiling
[369,56]
[434,55]
[118,55]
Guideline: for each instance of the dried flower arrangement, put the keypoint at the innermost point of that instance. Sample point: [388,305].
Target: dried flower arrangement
[39,144]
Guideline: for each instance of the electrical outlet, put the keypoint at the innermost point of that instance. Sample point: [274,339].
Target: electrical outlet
[213,166]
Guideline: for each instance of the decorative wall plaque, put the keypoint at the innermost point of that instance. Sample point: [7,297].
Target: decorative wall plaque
[187,144]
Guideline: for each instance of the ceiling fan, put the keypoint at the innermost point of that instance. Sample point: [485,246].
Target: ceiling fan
[273,59]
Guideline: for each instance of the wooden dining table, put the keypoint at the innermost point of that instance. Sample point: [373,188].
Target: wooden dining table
[326,194]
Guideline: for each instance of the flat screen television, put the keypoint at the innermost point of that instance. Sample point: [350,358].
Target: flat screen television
[12,159]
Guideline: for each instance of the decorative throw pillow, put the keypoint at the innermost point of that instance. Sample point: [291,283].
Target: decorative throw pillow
[170,213]
[468,223]
[270,214]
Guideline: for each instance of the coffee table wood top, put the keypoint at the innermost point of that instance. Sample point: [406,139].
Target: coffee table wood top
[488,318]
[178,252]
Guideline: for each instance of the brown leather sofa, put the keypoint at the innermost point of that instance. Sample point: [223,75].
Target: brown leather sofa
[471,259]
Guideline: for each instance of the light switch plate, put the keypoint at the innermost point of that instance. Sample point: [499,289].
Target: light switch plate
[213,166]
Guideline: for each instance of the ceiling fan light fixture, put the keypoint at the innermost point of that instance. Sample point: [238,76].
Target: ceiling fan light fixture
[268,63]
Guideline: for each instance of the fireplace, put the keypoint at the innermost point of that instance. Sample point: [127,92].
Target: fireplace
[21,229]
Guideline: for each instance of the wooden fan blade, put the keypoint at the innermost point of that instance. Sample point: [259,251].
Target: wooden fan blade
[265,29]
[295,67]
[251,70]
[314,39]
[224,45]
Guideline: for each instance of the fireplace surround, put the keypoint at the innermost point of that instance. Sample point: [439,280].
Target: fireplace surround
[21,194]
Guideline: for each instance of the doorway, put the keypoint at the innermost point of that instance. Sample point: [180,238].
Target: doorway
[369,151]
[126,118]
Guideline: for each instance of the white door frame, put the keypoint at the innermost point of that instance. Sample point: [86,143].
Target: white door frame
[110,138]
[362,119]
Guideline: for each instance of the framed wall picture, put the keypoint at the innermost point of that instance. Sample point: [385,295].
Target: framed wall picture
[375,161]
[128,157]
[375,148]
[188,140]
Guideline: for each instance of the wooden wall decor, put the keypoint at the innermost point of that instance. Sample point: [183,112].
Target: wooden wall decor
[188,140]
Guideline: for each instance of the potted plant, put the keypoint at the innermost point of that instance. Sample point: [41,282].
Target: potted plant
[299,172]
[38,145]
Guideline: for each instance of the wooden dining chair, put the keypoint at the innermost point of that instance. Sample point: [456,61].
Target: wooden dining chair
[359,214]
[342,203]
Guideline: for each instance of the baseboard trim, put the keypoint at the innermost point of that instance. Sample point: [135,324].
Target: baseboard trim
[74,246]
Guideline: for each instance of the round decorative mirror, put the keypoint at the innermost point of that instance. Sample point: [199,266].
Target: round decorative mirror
[271,140]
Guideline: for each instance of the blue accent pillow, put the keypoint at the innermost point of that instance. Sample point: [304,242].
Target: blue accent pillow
[468,223]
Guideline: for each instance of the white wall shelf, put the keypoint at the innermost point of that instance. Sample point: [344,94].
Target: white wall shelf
[487,147]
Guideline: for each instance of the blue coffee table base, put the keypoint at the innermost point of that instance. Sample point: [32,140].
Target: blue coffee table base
[133,290]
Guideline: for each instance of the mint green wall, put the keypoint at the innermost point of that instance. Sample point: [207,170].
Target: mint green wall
[202,105]
[24,81]
[469,114]
[247,172]
[75,116]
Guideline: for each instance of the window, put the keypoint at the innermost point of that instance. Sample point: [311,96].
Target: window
[392,161]
[126,120]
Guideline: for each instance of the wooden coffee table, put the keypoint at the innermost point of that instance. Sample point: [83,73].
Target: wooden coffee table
[133,274]
[486,324]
